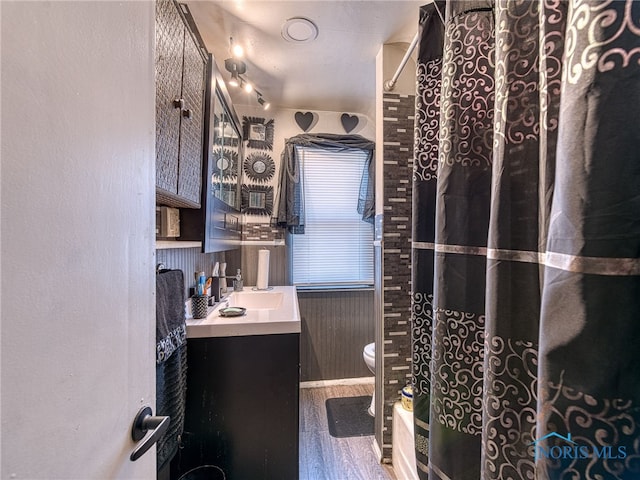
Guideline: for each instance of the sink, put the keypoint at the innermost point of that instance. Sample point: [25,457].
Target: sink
[260,300]
[268,312]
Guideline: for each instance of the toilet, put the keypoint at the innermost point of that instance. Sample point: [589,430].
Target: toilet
[369,355]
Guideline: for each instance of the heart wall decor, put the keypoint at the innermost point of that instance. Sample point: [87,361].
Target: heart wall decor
[306,121]
[349,122]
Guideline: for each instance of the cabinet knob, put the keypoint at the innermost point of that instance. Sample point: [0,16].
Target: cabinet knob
[186,113]
[178,103]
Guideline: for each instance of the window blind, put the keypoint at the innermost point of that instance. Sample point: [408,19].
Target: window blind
[337,246]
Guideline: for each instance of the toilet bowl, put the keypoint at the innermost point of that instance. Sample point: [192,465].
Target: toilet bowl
[369,356]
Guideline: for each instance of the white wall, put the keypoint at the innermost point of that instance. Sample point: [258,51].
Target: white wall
[78,283]
[387,62]
[380,79]
[393,54]
[285,127]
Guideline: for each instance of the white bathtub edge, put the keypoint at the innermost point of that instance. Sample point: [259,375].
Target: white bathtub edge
[339,381]
[403,450]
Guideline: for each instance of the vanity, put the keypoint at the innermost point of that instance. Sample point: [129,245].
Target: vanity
[242,388]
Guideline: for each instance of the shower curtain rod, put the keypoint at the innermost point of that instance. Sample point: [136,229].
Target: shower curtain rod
[389,85]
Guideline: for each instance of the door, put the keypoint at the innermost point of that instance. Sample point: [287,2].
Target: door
[77,188]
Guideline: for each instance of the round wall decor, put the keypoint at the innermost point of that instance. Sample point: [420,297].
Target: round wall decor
[225,163]
[259,167]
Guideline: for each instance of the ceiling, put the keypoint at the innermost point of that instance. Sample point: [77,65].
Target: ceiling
[335,72]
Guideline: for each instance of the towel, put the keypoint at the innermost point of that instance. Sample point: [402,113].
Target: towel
[171,360]
[171,330]
[171,386]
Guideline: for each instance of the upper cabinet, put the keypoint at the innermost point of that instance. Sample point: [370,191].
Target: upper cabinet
[217,223]
[180,86]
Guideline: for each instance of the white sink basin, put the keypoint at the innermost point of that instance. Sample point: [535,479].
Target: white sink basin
[268,312]
[260,300]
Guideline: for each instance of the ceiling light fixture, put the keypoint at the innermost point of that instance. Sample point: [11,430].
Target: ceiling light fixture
[236,49]
[235,79]
[299,30]
[237,68]
[264,104]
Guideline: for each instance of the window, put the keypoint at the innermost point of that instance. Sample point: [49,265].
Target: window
[337,246]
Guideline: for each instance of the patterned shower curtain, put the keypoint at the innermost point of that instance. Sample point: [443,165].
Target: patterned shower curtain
[526,241]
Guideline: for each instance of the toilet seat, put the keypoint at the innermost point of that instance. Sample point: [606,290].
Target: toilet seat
[370,350]
[369,356]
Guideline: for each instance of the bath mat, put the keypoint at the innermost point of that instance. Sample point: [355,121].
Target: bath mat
[348,417]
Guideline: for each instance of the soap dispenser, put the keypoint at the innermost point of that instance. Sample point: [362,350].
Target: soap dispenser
[238,283]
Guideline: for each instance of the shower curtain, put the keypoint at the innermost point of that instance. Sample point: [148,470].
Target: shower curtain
[526,241]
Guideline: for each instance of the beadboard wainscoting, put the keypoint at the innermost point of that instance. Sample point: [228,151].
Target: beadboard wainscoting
[336,325]
[191,260]
[278,262]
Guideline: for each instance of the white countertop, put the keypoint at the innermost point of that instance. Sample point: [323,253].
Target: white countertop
[268,312]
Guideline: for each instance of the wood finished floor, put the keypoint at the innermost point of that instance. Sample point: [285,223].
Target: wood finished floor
[323,457]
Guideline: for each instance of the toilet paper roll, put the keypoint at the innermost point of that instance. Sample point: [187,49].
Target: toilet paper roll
[262,282]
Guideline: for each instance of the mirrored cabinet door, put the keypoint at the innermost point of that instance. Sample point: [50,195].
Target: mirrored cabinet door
[226,155]
[217,223]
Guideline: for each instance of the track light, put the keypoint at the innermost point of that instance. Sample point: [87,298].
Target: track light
[235,79]
[262,102]
[236,49]
[237,68]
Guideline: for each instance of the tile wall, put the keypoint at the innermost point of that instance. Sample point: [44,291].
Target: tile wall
[398,119]
[261,232]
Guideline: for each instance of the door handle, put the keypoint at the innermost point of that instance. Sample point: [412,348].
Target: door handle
[144,422]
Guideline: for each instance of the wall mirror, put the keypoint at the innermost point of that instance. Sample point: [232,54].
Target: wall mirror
[257,200]
[217,223]
[226,153]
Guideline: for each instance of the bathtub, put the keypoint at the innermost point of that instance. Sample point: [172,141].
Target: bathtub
[403,455]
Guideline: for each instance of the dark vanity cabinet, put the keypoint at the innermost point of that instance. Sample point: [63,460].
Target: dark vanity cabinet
[180,85]
[217,223]
[242,407]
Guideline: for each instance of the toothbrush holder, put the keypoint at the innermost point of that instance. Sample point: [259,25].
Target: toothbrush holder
[199,306]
